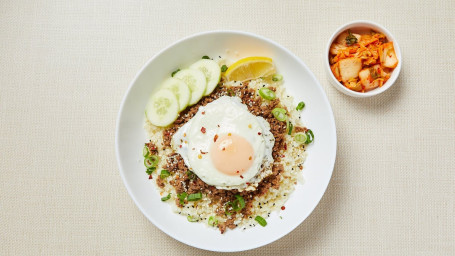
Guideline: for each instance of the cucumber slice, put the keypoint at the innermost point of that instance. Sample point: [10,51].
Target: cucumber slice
[195,80]
[212,72]
[180,90]
[162,108]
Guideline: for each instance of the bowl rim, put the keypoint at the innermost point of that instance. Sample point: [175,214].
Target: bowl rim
[395,73]
[153,58]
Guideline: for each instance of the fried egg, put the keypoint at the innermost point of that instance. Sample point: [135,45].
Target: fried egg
[226,146]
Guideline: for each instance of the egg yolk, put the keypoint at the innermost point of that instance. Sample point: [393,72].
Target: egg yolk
[231,154]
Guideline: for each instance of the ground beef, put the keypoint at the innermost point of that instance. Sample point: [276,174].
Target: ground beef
[159,181]
[152,148]
[192,184]
[300,129]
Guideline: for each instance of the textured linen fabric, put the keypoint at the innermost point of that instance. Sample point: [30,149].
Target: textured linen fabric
[66,65]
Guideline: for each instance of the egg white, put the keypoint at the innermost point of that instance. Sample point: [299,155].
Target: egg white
[222,116]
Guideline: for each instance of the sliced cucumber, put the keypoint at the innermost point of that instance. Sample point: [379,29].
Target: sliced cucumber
[212,72]
[195,80]
[162,108]
[180,90]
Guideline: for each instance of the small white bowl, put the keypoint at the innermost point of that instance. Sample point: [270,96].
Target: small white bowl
[355,25]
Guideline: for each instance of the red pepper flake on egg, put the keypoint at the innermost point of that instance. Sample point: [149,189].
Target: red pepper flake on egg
[203,130]
[215,138]
[282,207]
[250,158]
[259,133]
[203,112]
[241,176]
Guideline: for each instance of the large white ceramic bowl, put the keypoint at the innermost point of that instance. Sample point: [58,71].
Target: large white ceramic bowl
[355,26]
[300,82]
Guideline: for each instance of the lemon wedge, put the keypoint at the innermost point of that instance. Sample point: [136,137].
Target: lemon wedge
[250,68]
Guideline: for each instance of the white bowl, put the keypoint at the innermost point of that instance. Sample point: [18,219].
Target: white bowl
[299,81]
[363,24]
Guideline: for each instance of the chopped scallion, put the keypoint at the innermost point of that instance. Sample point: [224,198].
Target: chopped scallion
[279,114]
[192,219]
[195,196]
[164,174]
[300,106]
[238,204]
[145,151]
[277,77]
[175,72]
[300,137]
[224,68]
[267,94]
[213,221]
[166,197]
[310,136]
[205,57]
[191,175]
[182,197]
[151,161]
[150,170]
[290,126]
[261,221]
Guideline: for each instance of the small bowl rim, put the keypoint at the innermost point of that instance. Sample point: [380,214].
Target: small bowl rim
[395,73]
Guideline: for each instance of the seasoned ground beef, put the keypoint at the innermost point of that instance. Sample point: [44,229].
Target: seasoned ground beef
[186,181]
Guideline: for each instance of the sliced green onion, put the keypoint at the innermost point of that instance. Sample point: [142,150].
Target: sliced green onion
[166,197]
[300,106]
[192,219]
[230,92]
[191,175]
[310,136]
[150,170]
[267,94]
[261,221]
[175,72]
[145,151]
[164,174]
[277,77]
[300,137]
[224,68]
[289,126]
[151,161]
[148,162]
[279,114]
[238,204]
[205,57]
[195,196]
[182,197]
[213,221]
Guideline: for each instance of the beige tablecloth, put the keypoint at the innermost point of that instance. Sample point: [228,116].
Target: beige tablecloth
[65,66]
